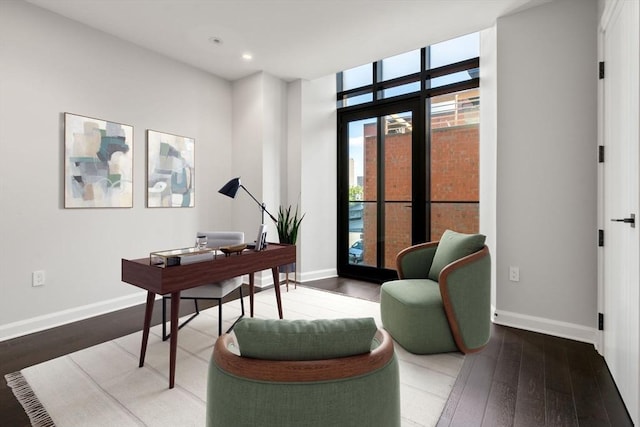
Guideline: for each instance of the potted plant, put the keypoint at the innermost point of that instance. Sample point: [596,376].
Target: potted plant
[288,225]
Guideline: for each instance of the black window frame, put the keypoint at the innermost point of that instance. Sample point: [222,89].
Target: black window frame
[421,162]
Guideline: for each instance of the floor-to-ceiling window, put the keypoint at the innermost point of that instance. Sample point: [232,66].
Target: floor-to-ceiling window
[408,153]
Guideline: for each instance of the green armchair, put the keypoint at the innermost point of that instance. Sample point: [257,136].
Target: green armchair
[286,373]
[442,300]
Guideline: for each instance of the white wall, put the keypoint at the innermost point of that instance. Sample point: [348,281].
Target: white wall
[319,153]
[285,149]
[50,65]
[274,146]
[259,140]
[292,173]
[546,169]
[285,144]
[488,145]
[249,153]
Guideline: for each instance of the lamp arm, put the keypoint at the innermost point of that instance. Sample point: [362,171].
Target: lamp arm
[262,206]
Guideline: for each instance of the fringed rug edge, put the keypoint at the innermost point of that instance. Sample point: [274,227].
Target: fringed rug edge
[24,394]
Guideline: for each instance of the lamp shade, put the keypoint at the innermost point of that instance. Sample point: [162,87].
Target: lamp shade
[231,188]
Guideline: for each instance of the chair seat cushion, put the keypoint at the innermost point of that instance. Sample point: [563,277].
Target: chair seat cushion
[213,290]
[452,247]
[304,339]
[413,313]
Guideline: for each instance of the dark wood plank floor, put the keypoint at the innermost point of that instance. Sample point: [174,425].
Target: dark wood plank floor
[525,378]
[521,379]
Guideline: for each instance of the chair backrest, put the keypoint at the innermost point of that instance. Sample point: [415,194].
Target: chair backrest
[295,340]
[216,239]
[452,247]
[362,389]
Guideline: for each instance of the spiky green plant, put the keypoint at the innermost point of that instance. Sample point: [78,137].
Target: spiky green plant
[288,225]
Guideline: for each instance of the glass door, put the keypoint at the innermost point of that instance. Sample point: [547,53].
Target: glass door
[376,208]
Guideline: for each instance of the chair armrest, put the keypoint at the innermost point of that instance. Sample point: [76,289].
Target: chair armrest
[415,261]
[305,370]
[465,287]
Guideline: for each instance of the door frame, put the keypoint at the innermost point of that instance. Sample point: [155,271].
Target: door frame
[610,11]
[415,105]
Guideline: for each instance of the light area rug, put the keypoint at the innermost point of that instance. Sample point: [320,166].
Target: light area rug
[103,386]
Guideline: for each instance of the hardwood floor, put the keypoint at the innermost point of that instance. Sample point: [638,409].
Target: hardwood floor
[521,379]
[524,378]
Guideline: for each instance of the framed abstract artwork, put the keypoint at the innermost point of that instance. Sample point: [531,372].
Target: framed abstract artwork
[98,163]
[170,170]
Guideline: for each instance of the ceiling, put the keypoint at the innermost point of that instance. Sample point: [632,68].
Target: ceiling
[290,39]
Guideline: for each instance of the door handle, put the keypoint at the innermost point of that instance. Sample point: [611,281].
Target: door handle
[631,220]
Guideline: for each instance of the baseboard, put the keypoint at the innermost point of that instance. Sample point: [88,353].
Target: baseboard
[318,275]
[40,323]
[546,326]
[262,280]
[266,280]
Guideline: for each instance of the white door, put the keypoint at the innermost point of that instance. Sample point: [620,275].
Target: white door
[621,252]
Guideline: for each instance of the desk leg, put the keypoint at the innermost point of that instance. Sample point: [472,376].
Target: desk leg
[151,297]
[276,285]
[173,339]
[251,289]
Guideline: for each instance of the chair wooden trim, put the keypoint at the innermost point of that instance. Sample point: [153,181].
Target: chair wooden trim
[303,370]
[408,250]
[446,300]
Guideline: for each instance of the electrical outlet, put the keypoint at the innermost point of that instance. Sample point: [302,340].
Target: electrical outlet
[514,274]
[37,278]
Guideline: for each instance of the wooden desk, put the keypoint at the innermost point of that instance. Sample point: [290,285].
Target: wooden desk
[173,280]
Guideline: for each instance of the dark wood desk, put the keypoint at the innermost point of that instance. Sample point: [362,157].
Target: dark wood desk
[173,280]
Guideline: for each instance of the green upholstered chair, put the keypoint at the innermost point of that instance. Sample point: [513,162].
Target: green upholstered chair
[319,373]
[441,302]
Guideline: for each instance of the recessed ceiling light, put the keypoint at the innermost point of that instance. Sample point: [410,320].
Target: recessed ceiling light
[247,56]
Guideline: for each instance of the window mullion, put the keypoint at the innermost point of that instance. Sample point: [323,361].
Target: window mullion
[374,86]
[381,192]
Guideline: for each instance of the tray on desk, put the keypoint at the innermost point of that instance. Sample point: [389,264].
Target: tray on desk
[182,256]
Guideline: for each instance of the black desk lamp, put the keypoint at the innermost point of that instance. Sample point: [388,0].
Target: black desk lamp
[230,189]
